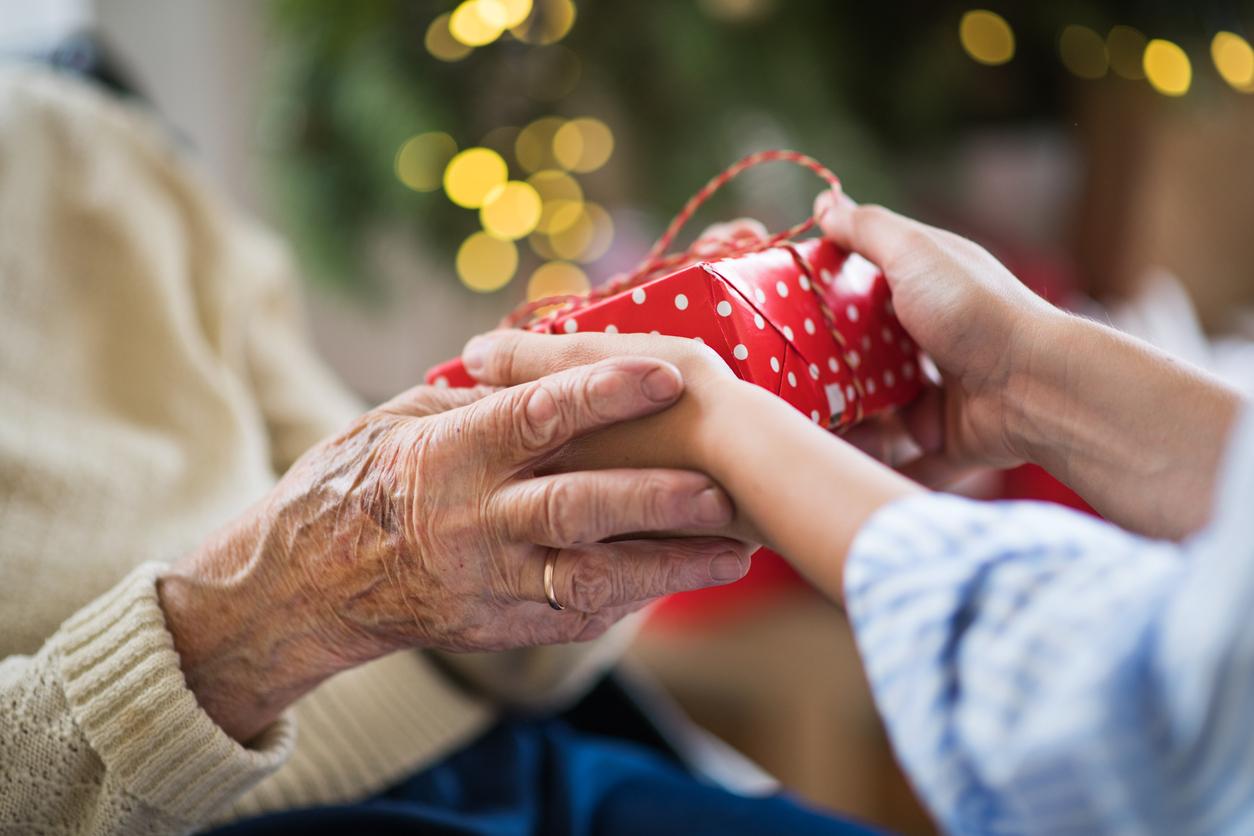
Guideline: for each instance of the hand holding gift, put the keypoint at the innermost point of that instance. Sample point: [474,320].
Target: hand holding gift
[807,321]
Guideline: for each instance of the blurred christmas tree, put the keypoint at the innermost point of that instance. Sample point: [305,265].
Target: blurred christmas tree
[532,138]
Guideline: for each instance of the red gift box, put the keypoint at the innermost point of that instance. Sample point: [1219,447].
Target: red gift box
[808,321]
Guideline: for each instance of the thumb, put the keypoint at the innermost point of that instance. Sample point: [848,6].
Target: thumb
[880,235]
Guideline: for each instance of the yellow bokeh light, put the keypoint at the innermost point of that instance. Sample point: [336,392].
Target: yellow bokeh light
[556,278]
[586,233]
[1234,59]
[1125,47]
[986,37]
[472,174]
[516,11]
[1083,52]
[1167,67]
[583,145]
[421,159]
[510,211]
[478,22]
[548,23]
[557,190]
[485,264]
[534,146]
[441,43]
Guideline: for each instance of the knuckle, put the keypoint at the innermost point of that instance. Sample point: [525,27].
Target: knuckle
[656,495]
[591,587]
[503,358]
[563,518]
[537,416]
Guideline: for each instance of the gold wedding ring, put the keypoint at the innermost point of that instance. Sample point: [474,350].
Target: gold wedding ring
[549,563]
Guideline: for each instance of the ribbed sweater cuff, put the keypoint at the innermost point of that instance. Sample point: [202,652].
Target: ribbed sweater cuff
[127,693]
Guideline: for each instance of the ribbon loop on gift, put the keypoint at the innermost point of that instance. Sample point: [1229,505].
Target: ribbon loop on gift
[804,319]
[658,260]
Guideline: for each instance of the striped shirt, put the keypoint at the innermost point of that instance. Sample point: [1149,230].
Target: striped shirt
[1041,671]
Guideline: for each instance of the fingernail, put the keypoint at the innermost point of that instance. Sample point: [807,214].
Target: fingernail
[713,508]
[662,385]
[475,354]
[726,568]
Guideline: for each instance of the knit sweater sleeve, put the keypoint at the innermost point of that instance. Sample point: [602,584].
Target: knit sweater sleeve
[102,736]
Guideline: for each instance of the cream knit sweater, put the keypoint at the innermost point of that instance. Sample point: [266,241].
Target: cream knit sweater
[153,379]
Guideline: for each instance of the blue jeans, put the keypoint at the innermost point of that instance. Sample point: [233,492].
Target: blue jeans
[543,777]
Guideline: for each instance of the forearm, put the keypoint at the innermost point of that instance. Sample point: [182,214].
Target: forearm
[805,492]
[248,644]
[1134,431]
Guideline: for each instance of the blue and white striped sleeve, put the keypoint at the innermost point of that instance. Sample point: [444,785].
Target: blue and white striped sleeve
[1041,671]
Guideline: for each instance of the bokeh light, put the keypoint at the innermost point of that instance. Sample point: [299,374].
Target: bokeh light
[549,22]
[516,11]
[441,43]
[478,22]
[1083,52]
[534,146]
[737,11]
[421,159]
[586,232]
[986,37]
[1125,47]
[485,264]
[510,211]
[556,278]
[472,174]
[583,145]
[1234,59]
[1167,67]
[557,190]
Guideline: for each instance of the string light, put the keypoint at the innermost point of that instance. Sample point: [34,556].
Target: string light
[556,278]
[587,232]
[986,37]
[1125,47]
[534,146]
[583,145]
[557,190]
[1167,67]
[510,211]
[485,264]
[1234,59]
[472,174]
[421,159]
[478,22]
[441,43]
[550,21]
[1083,52]
[516,11]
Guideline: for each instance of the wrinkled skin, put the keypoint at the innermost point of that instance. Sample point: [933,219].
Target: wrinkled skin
[425,524]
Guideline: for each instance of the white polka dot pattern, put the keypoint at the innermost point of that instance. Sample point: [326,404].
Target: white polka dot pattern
[823,335]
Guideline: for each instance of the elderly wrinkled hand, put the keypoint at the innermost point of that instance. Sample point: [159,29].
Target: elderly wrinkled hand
[428,523]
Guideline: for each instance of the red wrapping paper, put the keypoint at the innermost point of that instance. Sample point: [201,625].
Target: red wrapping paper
[807,321]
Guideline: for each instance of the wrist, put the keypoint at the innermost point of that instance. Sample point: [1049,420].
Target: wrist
[247,648]
[1033,396]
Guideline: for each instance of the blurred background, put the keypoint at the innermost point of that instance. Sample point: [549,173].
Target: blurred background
[433,164]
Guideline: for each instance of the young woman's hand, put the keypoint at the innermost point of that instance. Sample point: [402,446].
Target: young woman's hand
[1134,431]
[976,321]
